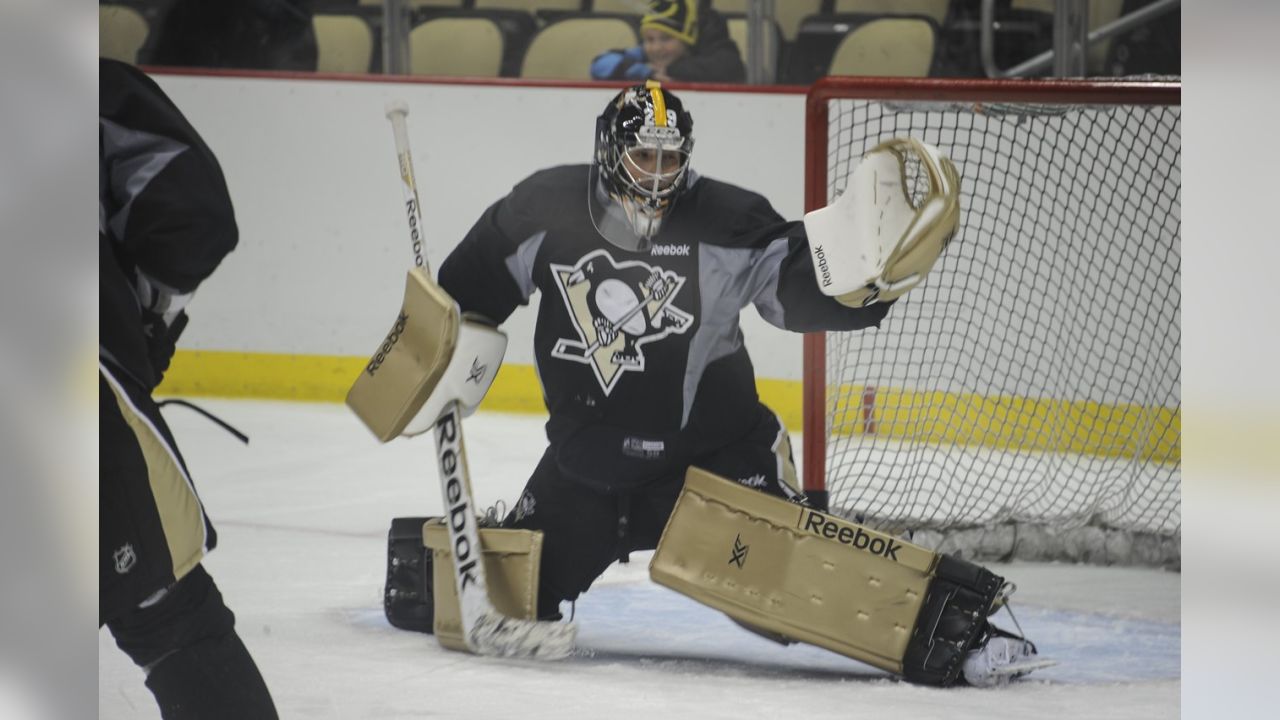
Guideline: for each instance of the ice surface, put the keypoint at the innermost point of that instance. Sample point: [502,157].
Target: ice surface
[302,514]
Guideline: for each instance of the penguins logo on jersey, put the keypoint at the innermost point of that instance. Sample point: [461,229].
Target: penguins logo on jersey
[617,308]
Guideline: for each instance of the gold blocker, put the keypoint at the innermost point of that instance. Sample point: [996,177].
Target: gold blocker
[432,369]
[793,573]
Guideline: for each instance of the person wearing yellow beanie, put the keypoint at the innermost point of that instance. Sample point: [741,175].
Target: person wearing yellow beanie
[677,18]
[680,40]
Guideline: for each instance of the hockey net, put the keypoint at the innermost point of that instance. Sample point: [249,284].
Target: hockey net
[1024,402]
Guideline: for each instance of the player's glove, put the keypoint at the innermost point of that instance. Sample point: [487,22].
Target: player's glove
[162,339]
[885,232]
[626,64]
[163,320]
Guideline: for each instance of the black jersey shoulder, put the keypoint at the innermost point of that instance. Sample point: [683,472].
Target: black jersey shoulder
[560,183]
[129,97]
[731,216]
[548,201]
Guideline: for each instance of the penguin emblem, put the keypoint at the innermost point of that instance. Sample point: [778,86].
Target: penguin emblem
[616,308]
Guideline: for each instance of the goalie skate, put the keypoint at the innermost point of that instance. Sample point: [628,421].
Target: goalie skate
[1001,658]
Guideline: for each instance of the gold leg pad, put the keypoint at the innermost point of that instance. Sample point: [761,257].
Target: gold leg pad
[512,559]
[794,571]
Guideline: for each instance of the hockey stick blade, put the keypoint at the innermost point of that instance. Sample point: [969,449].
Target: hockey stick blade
[497,635]
[486,631]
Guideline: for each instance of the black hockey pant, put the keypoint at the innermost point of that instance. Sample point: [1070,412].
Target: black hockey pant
[586,528]
[196,665]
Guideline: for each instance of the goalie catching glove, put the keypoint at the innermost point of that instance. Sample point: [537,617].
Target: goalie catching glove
[885,232]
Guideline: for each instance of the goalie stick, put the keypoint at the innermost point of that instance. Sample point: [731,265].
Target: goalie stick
[487,631]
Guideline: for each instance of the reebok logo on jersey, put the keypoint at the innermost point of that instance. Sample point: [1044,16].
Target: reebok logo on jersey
[855,537]
[673,250]
[616,308]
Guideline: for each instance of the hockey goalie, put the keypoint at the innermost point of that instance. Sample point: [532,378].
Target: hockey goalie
[657,439]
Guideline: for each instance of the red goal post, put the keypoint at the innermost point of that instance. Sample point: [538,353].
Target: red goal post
[1096,165]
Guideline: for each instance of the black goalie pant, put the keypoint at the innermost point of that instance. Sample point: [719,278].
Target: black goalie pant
[586,527]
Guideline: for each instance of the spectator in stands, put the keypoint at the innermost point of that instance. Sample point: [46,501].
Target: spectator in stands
[680,40]
[243,34]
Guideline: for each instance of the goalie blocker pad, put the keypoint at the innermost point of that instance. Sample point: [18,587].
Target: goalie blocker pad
[432,356]
[793,573]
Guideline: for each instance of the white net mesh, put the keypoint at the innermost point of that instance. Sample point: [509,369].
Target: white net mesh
[1025,401]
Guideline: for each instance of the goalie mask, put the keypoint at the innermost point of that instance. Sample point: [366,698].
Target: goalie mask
[643,141]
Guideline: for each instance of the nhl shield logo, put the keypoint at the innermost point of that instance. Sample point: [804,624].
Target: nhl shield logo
[124,558]
[616,308]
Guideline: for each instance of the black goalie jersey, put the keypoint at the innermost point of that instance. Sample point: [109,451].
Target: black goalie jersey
[640,353]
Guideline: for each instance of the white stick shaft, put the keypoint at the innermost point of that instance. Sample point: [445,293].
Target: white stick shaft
[487,632]
[460,517]
[397,110]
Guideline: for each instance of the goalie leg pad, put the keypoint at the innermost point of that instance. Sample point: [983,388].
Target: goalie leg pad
[512,560]
[432,356]
[791,571]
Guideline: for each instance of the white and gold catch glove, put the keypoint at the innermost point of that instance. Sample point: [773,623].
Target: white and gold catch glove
[885,232]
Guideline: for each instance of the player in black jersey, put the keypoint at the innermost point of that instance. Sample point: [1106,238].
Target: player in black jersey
[165,222]
[655,424]
[643,267]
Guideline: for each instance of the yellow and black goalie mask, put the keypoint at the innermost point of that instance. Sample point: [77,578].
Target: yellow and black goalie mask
[643,141]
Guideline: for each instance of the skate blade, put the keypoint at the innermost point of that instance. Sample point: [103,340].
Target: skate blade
[1021,668]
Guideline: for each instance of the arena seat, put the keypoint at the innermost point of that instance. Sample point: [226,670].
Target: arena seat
[530,6]
[564,50]
[787,13]
[619,7]
[122,31]
[415,4]
[344,44]
[896,47]
[457,46]
[933,9]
